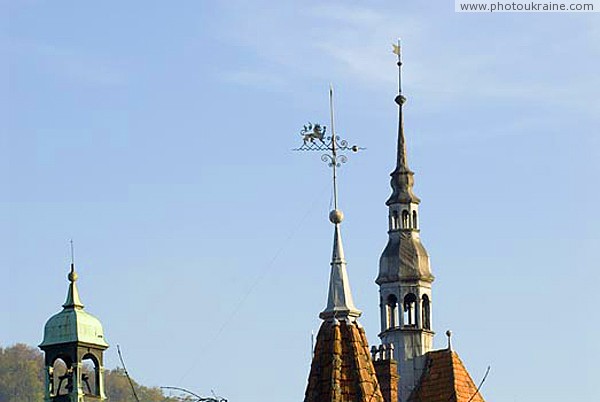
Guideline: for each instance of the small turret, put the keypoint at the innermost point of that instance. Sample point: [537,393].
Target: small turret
[73,348]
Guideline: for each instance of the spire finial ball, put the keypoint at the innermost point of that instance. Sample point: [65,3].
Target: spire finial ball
[336,216]
[72,275]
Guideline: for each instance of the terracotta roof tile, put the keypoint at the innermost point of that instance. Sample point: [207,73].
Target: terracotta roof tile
[342,370]
[445,380]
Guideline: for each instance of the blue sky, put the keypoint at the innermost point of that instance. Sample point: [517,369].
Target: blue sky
[158,136]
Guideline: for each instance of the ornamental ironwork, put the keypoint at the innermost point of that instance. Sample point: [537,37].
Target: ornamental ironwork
[314,138]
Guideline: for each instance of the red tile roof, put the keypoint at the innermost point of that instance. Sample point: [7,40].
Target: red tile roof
[342,370]
[445,380]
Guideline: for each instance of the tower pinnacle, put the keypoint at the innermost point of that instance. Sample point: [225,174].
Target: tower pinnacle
[72,300]
[341,368]
[339,301]
[405,276]
[402,177]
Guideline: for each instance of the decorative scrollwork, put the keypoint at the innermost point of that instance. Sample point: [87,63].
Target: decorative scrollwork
[334,160]
[340,144]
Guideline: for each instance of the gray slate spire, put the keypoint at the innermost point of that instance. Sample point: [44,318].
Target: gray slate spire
[402,177]
[340,304]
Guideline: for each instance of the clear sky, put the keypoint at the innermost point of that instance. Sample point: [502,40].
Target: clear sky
[158,136]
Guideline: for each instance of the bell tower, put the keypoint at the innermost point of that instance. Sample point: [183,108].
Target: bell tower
[73,349]
[405,277]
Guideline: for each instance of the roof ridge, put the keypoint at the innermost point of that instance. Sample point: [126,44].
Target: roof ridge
[452,373]
[474,394]
[445,379]
[362,351]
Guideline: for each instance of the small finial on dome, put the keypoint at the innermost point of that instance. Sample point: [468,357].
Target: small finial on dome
[72,274]
[73,300]
[449,335]
[336,216]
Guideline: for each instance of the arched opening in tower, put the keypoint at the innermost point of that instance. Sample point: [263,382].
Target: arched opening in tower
[395,223]
[426,312]
[392,311]
[90,375]
[410,313]
[61,376]
[405,220]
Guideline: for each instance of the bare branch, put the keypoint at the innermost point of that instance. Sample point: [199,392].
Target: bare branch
[127,374]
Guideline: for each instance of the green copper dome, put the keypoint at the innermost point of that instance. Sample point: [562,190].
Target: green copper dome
[73,324]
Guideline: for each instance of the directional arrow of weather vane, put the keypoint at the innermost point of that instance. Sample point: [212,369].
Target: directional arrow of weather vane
[315,139]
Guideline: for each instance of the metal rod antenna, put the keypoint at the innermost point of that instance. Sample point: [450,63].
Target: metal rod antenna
[72,252]
[399,54]
[333,149]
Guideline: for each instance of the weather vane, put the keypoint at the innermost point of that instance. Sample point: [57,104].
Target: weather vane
[315,139]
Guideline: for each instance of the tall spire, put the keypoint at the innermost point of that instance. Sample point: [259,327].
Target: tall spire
[73,300]
[401,160]
[405,276]
[340,304]
[402,177]
[341,368]
[339,301]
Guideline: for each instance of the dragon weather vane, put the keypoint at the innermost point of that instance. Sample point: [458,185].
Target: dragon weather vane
[315,139]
